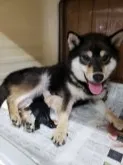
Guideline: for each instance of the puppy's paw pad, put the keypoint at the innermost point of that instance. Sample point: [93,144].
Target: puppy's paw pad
[16,121]
[59,137]
[29,127]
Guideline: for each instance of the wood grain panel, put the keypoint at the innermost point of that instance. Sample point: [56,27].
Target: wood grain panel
[72,19]
[85,16]
[115,22]
[115,18]
[70,22]
[100,16]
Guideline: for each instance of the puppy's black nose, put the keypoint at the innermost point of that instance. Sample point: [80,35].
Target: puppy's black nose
[98,77]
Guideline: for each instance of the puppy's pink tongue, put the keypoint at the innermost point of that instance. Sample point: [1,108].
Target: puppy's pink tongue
[95,89]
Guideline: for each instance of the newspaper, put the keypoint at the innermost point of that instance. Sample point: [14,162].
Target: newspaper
[86,144]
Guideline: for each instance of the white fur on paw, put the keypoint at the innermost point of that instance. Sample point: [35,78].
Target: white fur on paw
[29,127]
[16,120]
[59,136]
[29,121]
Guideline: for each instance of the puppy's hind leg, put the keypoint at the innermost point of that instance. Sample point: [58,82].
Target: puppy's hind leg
[28,119]
[13,111]
[15,93]
[108,115]
[112,118]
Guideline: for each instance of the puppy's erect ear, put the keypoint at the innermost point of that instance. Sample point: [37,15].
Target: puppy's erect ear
[73,40]
[117,38]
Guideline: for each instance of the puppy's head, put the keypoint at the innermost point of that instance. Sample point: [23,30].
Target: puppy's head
[93,57]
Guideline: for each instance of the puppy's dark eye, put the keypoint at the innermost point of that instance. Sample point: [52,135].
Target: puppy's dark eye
[105,59]
[85,59]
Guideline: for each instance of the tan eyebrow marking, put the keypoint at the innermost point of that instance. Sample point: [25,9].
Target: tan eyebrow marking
[89,53]
[102,53]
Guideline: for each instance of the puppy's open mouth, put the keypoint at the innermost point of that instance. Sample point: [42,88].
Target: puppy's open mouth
[94,88]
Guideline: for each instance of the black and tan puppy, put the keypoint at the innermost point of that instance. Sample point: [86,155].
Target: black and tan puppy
[91,60]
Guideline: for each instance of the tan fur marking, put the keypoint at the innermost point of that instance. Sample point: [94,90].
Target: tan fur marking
[18,89]
[54,102]
[102,53]
[24,115]
[89,53]
[112,118]
[13,111]
[15,92]
[60,133]
[89,72]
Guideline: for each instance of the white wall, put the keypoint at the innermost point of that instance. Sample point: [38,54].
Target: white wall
[33,25]
[49,31]
[20,21]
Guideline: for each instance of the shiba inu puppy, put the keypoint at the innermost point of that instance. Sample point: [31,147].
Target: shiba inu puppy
[92,59]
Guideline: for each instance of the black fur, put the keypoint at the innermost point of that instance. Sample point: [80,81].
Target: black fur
[42,113]
[3,93]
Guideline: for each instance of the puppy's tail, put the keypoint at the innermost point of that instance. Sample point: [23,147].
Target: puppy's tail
[3,93]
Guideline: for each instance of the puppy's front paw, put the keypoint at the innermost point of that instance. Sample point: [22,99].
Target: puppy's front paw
[29,127]
[59,136]
[28,121]
[16,120]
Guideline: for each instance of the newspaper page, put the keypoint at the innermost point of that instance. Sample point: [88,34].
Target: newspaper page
[86,144]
